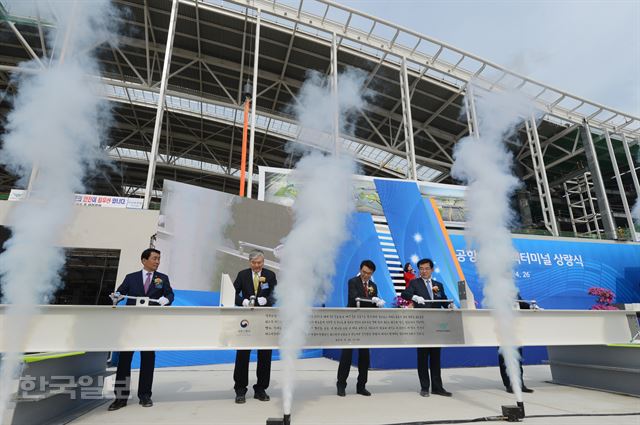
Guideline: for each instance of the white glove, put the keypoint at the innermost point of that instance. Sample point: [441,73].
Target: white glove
[379,301]
[417,299]
[375,300]
[262,301]
[163,300]
[245,303]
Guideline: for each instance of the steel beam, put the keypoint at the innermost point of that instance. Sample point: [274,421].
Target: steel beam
[632,167]
[166,66]
[544,192]
[623,194]
[25,44]
[335,127]
[470,110]
[407,121]
[596,175]
[254,100]
[59,328]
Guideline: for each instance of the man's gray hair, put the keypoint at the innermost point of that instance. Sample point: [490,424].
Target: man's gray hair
[255,254]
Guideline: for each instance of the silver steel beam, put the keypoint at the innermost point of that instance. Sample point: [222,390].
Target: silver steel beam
[160,111]
[59,328]
[596,175]
[623,194]
[254,100]
[25,44]
[470,110]
[540,172]
[632,167]
[335,127]
[407,122]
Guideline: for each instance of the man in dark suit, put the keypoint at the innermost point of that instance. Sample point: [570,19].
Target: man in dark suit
[360,286]
[254,288]
[145,283]
[503,367]
[420,290]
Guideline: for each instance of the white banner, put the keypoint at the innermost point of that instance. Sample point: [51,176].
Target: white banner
[90,200]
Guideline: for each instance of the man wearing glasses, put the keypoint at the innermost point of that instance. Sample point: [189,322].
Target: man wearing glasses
[423,290]
[363,287]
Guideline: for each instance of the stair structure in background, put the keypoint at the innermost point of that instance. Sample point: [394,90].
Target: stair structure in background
[581,200]
[394,262]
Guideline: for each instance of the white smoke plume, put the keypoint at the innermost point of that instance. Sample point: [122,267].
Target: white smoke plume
[322,208]
[195,219]
[484,164]
[54,131]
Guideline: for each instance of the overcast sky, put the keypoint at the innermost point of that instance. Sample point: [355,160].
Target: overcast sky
[587,48]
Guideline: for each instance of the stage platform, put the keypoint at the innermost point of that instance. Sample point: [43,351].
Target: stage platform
[204,395]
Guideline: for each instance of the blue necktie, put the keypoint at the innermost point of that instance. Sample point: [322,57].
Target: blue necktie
[429,289]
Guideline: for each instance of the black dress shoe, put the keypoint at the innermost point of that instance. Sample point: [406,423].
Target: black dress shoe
[364,392]
[262,396]
[240,399]
[117,404]
[526,390]
[509,390]
[424,393]
[442,392]
[341,392]
[146,402]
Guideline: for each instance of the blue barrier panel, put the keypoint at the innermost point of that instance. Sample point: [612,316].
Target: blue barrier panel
[406,358]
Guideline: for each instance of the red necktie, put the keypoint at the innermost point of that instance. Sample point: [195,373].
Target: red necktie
[147,283]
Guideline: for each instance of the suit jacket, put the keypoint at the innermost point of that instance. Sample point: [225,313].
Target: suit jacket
[244,287]
[134,285]
[418,287]
[523,305]
[356,290]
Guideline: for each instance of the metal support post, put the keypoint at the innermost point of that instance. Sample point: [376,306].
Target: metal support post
[157,130]
[254,101]
[596,175]
[408,122]
[623,195]
[470,108]
[334,94]
[544,192]
[632,167]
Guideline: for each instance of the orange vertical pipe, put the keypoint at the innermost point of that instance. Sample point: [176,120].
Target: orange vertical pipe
[243,159]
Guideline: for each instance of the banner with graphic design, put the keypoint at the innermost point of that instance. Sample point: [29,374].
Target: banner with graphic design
[557,273]
[418,232]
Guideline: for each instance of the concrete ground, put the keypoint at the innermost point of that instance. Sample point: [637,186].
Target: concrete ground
[204,395]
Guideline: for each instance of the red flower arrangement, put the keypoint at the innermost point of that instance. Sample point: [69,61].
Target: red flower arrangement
[401,302]
[604,300]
